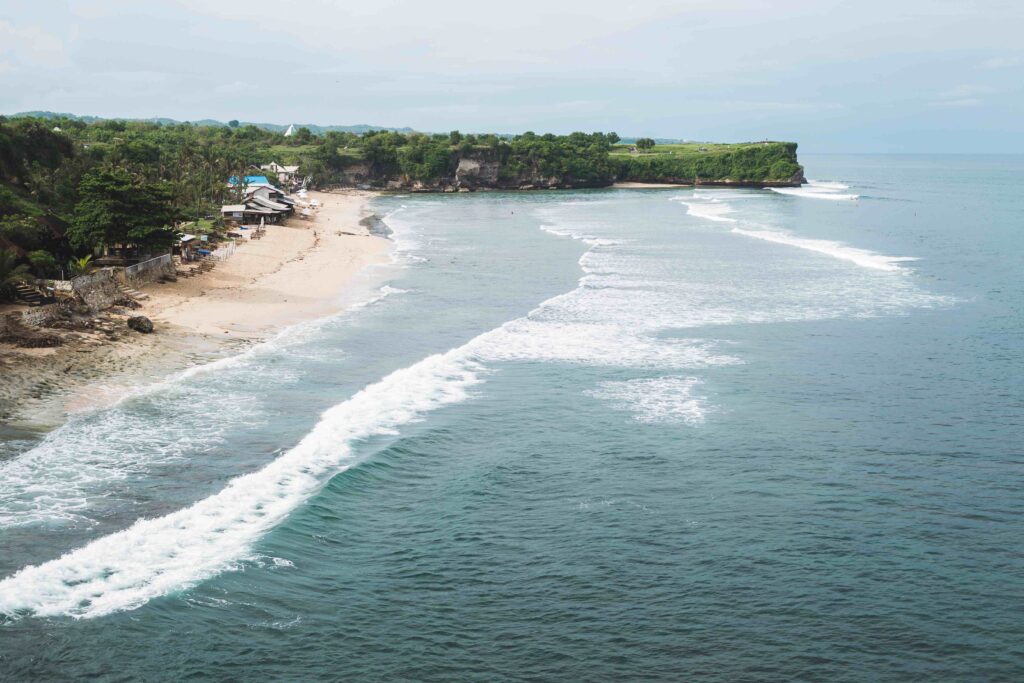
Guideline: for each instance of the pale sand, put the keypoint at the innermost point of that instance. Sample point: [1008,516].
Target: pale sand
[288,276]
[646,186]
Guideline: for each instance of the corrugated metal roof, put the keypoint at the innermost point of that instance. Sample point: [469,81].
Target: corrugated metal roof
[263,201]
[232,207]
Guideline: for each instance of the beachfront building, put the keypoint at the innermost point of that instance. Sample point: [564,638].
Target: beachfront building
[233,213]
[285,174]
[250,213]
[258,200]
[185,248]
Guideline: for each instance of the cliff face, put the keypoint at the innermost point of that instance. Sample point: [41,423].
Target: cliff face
[764,165]
[470,174]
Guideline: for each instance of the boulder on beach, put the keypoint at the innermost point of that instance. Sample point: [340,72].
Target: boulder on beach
[140,323]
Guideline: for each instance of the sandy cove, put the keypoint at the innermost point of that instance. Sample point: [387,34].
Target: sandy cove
[296,272]
[299,271]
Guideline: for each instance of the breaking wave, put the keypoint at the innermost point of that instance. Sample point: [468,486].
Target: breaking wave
[861,257]
[815,189]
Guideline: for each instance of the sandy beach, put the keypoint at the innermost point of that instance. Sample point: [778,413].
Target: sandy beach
[646,186]
[298,271]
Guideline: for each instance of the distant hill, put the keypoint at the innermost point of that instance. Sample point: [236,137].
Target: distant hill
[274,127]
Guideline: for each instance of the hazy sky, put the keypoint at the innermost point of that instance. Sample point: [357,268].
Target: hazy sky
[898,75]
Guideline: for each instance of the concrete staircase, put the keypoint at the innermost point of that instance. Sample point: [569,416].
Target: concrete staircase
[28,294]
[131,293]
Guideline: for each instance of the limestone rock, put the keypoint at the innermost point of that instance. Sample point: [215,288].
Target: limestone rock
[140,323]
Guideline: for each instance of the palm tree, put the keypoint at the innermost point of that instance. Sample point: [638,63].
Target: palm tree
[79,266]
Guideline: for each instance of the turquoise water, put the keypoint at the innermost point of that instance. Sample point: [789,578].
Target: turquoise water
[600,435]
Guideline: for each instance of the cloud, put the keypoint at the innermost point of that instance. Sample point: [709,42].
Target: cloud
[961,103]
[1002,62]
[962,91]
[963,96]
[31,46]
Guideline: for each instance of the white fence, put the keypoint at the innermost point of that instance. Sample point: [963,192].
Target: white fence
[223,252]
[152,263]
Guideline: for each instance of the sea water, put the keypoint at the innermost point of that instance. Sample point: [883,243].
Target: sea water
[619,434]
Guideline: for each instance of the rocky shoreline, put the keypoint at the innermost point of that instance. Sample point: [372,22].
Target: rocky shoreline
[97,342]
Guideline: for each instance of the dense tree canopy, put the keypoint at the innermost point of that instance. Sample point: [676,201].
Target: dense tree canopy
[117,208]
[645,144]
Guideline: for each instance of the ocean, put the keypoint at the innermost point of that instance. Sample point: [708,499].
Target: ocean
[673,434]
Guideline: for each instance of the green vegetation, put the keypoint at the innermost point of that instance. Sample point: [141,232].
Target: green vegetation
[753,162]
[645,144]
[11,272]
[69,188]
[117,208]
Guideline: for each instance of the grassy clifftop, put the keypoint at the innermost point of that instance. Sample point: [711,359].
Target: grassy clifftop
[760,163]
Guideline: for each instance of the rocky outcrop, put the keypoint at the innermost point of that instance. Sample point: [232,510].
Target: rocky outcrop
[472,174]
[24,331]
[98,290]
[140,323]
[797,180]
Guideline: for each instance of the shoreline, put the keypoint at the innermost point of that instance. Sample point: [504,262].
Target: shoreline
[301,270]
[630,185]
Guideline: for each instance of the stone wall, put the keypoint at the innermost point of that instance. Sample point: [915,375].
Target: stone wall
[97,290]
[161,271]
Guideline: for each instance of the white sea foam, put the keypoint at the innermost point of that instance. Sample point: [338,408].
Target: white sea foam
[712,210]
[54,480]
[156,556]
[578,235]
[657,400]
[540,339]
[381,294]
[815,189]
[862,257]
[404,237]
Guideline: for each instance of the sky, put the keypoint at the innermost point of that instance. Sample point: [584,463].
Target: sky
[832,75]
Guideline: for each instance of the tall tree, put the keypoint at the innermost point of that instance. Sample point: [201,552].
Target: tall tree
[117,208]
[644,143]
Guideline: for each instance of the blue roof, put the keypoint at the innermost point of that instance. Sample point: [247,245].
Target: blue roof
[250,180]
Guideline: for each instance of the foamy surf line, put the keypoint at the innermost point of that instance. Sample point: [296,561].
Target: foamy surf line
[54,480]
[818,189]
[155,557]
[861,257]
[713,210]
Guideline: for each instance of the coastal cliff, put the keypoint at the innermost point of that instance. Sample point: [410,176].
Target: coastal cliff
[562,163]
